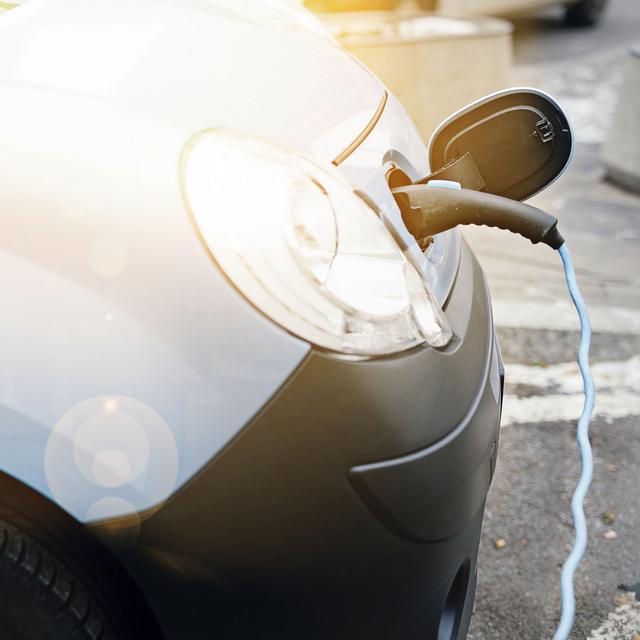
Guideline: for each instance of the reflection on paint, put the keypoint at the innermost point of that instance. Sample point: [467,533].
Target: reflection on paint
[111,468]
[108,257]
[106,442]
[105,507]
[122,530]
[106,454]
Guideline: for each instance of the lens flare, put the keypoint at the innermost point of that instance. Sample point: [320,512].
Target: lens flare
[114,452]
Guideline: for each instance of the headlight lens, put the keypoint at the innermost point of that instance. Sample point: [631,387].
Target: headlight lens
[305,249]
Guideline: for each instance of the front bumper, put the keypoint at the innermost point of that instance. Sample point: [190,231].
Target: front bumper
[351,506]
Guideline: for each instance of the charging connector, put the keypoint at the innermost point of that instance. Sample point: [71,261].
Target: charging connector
[428,210]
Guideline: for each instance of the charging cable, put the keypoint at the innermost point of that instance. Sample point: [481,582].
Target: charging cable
[440,205]
[577,501]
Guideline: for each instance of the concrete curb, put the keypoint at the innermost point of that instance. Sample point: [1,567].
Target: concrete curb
[621,152]
[433,64]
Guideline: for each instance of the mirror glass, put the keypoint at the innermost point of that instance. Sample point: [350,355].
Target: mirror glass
[520,141]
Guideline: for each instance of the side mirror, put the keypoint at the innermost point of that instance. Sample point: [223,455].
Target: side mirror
[520,141]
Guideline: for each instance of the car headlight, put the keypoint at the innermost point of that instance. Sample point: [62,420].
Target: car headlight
[307,251]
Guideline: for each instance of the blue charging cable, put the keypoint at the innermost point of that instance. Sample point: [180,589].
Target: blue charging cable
[577,502]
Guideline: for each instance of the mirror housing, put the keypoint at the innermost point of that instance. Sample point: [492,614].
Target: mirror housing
[519,139]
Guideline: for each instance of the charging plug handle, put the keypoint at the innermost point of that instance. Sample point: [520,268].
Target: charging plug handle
[427,211]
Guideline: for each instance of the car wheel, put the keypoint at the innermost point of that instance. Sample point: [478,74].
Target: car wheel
[48,594]
[585,13]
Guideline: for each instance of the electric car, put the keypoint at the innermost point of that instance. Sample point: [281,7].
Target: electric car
[238,398]
[577,12]
[582,13]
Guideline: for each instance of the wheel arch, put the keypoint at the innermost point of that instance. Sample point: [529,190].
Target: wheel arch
[59,531]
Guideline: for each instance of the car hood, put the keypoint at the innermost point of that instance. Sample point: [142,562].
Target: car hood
[262,67]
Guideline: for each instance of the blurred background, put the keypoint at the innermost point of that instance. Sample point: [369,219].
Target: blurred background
[437,56]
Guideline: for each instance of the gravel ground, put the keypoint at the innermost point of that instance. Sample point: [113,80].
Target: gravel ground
[544,346]
[518,594]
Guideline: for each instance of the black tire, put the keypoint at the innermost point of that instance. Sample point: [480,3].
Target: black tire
[49,594]
[585,13]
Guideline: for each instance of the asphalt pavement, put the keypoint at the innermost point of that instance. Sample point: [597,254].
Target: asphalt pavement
[528,529]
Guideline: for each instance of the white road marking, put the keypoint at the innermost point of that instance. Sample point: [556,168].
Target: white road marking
[565,377]
[560,408]
[561,315]
[622,624]
[617,383]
